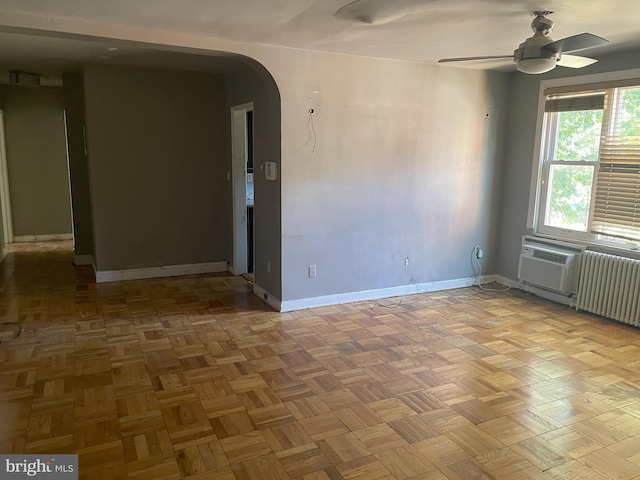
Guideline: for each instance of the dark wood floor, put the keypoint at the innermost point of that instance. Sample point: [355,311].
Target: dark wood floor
[194,377]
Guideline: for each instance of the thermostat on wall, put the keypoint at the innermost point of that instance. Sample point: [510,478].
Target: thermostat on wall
[270,170]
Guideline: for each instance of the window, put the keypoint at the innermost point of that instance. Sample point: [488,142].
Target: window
[590,181]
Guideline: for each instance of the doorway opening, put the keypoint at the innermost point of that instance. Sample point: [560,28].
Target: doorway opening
[35,197]
[243,189]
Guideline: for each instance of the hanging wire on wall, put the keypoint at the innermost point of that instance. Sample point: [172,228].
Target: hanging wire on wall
[311,112]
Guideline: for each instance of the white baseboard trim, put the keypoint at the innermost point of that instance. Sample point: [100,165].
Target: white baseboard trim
[488,279]
[267,297]
[105,276]
[83,260]
[42,238]
[505,281]
[337,299]
[538,292]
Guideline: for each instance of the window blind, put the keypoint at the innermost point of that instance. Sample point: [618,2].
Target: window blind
[616,210]
[575,102]
[591,87]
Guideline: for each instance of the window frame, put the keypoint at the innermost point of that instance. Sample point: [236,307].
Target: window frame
[544,199]
[538,193]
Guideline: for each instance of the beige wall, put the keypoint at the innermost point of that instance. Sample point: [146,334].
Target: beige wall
[157,167]
[37,160]
[405,165]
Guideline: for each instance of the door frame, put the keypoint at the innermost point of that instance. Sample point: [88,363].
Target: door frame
[5,200]
[239,152]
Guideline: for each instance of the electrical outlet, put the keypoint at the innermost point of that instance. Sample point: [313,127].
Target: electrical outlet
[268,266]
[312,271]
[479,252]
[406,261]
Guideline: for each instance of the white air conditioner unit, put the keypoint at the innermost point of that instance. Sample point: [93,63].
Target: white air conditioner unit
[550,265]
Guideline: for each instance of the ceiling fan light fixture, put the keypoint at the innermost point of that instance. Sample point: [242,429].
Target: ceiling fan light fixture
[536,66]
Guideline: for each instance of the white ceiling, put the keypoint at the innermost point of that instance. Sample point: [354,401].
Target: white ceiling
[434,29]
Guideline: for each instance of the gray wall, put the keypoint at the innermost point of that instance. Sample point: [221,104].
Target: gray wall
[157,167]
[405,164]
[253,84]
[518,152]
[78,168]
[37,160]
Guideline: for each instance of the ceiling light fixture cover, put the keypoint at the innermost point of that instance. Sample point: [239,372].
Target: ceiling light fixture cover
[536,66]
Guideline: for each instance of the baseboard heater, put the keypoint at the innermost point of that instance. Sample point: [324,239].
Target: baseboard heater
[609,285]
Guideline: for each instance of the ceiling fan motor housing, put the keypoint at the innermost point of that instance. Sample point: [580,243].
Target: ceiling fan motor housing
[532,58]
[532,48]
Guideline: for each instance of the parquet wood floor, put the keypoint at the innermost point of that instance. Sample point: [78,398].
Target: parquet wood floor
[196,378]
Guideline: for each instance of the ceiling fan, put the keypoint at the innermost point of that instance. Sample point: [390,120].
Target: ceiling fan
[540,54]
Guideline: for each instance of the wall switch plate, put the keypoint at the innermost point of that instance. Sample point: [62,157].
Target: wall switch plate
[268,266]
[312,271]
[270,171]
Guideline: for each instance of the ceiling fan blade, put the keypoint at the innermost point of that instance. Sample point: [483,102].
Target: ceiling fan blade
[575,42]
[574,61]
[464,59]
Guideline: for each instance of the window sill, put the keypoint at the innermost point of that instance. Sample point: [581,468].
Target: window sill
[628,252]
